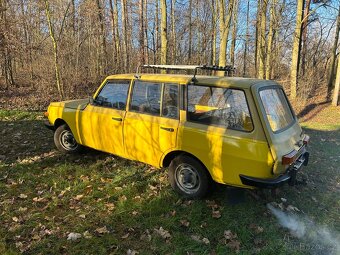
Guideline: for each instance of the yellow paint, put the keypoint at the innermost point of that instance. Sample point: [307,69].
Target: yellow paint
[226,153]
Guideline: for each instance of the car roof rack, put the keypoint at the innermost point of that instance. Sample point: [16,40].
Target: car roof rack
[229,69]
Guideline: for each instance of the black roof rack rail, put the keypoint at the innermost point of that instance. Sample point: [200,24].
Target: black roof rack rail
[228,69]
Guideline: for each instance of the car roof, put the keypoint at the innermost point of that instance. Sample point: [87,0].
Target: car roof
[239,82]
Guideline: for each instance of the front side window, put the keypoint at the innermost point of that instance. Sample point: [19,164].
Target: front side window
[277,110]
[113,94]
[146,97]
[219,106]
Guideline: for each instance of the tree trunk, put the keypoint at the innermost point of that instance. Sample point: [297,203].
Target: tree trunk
[304,36]
[331,74]
[173,31]
[55,48]
[190,33]
[225,32]
[141,33]
[262,46]
[125,36]
[246,42]
[103,51]
[335,100]
[296,51]
[271,35]
[157,33]
[213,32]
[146,41]
[164,39]
[234,34]
[115,35]
[257,36]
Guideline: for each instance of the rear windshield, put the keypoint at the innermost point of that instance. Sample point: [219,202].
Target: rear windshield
[277,109]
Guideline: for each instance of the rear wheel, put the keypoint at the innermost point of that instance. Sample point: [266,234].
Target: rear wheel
[188,177]
[65,141]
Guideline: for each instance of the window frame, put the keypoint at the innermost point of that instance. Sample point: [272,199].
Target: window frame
[217,125]
[161,98]
[289,106]
[127,81]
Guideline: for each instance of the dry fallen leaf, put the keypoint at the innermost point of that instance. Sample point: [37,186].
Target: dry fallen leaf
[125,236]
[184,223]
[22,196]
[231,240]
[131,252]
[228,235]
[87,235]
[79,197]
[102,230]
[205,240]
[110,206]
[234,245]
[216,214]
[73,236]
[146,236]
[163,233]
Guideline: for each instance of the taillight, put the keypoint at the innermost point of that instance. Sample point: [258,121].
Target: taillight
[306,139]
[46,114]
[289,158]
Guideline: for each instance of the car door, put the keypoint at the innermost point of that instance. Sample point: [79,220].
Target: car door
[151,123]
[101,122]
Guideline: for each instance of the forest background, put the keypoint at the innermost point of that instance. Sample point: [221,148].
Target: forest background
[62,49]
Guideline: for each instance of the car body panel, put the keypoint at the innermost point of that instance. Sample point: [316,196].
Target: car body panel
[226,153]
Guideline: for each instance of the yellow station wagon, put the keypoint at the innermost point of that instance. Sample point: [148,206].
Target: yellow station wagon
[235,131]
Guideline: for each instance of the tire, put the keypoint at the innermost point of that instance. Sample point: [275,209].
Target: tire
[188,177]
[65,142]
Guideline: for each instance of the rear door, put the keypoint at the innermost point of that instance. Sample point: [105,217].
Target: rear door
[101,123]
[280,123]
[151,123]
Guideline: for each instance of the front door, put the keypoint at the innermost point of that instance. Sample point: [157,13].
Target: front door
[101,123]
[150,125]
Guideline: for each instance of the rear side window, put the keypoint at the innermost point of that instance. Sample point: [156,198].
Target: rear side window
[277,110]
[219,106]
[113,94]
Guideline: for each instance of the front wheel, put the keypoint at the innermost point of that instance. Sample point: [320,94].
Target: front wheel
[188,177]
[65,141]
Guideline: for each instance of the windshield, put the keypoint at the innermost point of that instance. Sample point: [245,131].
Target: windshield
[277,109]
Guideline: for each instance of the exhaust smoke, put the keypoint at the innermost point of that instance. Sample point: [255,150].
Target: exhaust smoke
[319,239]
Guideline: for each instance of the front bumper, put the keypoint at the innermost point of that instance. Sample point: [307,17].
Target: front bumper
[289,177]
[49,125]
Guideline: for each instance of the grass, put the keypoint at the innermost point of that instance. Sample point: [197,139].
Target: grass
[122,207]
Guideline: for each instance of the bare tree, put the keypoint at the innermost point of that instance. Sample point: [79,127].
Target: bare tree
[225,19]
[331,75]
[164,35]
[335,100]
[296,51]
[55,48]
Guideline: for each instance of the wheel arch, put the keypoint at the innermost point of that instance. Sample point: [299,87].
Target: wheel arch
[173,154]
[58,122]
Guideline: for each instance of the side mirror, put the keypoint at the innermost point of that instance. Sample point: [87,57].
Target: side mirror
[91,100]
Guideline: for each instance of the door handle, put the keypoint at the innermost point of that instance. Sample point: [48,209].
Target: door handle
[168,129]
[117,118]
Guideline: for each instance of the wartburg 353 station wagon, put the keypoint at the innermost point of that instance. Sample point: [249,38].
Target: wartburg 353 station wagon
[236,131]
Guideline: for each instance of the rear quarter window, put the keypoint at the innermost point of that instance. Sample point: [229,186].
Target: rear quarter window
[277,110]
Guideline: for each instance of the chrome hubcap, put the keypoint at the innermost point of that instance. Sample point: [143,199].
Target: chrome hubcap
[187,178]
[67,140]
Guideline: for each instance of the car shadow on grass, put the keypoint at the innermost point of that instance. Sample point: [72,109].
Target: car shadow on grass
[46,195]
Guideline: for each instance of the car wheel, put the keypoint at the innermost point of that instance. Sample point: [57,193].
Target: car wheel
[189,177]
[65,141]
